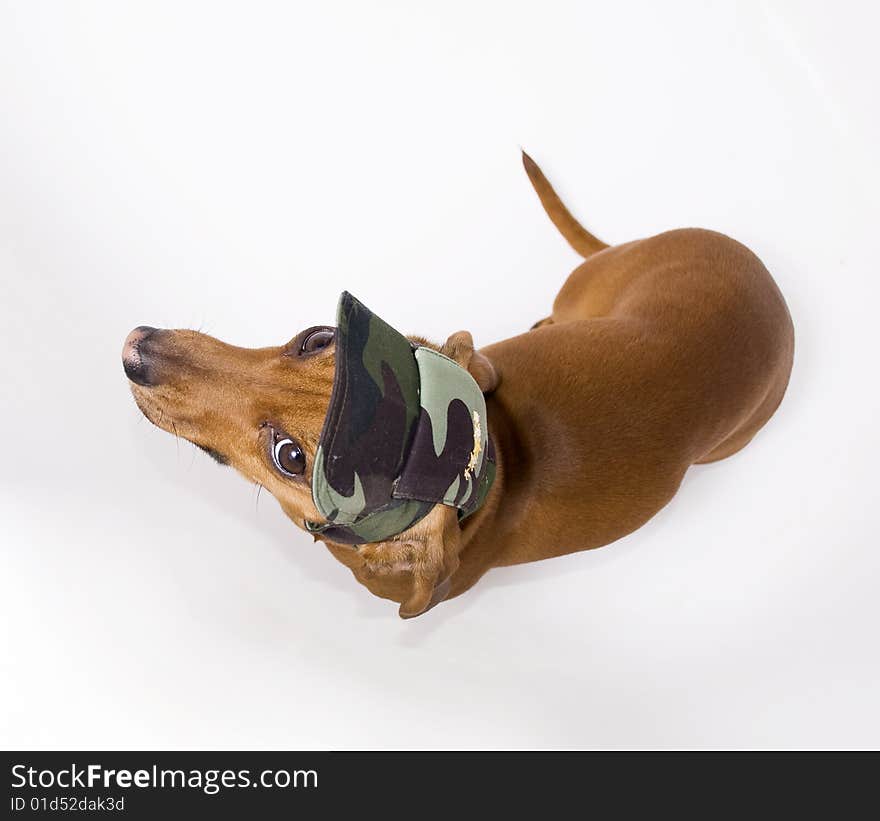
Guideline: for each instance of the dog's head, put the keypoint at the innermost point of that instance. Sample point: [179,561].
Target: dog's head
[262,411]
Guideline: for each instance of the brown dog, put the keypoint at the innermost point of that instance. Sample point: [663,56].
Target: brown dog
[659,354]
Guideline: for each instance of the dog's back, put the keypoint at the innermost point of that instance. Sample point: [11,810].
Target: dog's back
[659,353]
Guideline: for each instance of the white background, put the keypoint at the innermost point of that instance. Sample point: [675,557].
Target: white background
[235,166]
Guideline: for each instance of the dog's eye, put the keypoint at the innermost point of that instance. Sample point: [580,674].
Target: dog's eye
[316,340]
[288,457]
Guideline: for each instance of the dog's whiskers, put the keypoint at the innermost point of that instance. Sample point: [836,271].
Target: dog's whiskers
[176,436]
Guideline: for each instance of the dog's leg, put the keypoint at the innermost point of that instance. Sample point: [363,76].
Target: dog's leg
[744,434]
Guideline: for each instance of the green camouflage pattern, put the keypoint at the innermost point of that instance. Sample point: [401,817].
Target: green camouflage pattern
[405,429]
[452,437]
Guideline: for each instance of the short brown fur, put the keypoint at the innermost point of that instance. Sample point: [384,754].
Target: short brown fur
[659,353]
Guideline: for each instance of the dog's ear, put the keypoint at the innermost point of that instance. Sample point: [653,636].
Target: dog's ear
[460,348]
[424,596]
[436,541]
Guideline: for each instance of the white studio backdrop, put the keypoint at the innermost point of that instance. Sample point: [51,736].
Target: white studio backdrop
[234,166]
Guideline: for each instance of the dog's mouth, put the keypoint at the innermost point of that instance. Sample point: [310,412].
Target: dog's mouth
[155,412]
[153,409]
[141,363]
[145,366]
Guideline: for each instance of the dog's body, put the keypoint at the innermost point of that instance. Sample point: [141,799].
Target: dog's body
[659,354]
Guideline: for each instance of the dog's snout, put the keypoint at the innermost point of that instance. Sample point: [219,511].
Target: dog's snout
[138,335]
[136,355]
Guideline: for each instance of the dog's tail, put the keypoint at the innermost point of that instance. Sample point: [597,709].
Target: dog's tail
[577,236]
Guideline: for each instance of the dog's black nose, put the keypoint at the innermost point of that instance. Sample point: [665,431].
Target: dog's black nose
[135,355]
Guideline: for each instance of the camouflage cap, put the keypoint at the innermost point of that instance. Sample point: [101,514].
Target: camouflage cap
[405,430]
